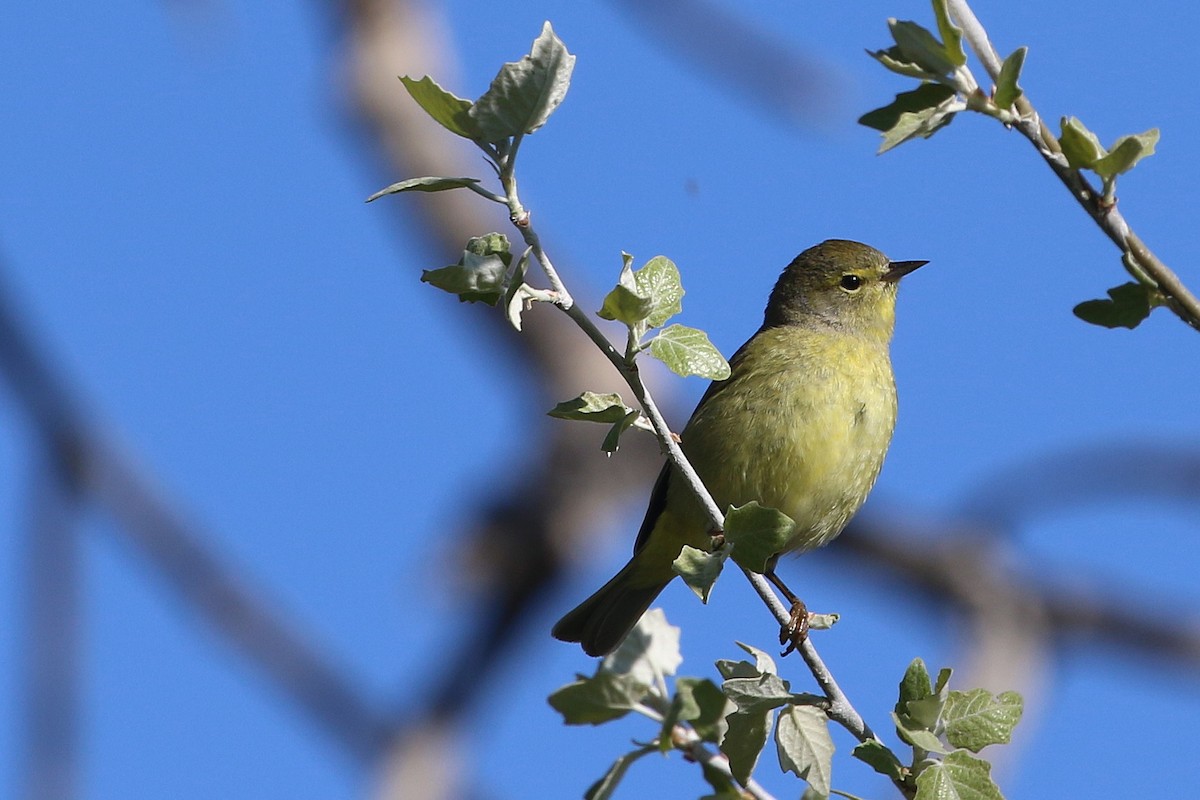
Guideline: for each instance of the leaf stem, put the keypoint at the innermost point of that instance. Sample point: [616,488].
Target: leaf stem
[1107,216]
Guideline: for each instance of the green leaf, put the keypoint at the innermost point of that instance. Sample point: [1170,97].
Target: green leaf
[758,534]
[604,788]
[700,569]
[921,47]
[602,698]
[804,746]
[758,694]
[976,719]
[763,663]
[474,279]
[627,303]
[1007,90]
[518,293]
[524,94]
[744,741]
[959,776]
[881,759]
[895,60]
[711,703]
[612,440]
[687,351]
[659,281]
[592,407]
[424,185]
[951,34]
[491,244]
[650,651]
[917,736]
[449,111]
[921,112]
[1125,153]
[915,685]
[1081,147]
[1129,304]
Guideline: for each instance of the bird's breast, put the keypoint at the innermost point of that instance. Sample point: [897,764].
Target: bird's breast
[802,425]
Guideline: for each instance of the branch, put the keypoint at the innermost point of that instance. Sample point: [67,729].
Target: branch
[1179,299]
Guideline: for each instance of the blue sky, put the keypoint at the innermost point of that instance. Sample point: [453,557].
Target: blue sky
[181,219]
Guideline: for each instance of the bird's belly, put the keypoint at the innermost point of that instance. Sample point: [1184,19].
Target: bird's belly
[812,451]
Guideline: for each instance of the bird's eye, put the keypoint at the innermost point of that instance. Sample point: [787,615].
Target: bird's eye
[851,283]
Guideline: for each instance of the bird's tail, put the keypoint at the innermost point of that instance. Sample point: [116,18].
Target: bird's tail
[603,620]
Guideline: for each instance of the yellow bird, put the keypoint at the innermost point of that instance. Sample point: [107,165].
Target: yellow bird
[801,425]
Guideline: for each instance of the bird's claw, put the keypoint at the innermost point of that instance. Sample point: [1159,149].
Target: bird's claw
[795,631]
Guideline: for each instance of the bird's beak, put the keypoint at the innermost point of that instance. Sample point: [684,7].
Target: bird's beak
[898,269]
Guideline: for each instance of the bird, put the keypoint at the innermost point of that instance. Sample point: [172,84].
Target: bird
[802,425]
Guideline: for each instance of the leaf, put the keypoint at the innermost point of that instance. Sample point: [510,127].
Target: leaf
[959,776]
[474,279]
[424,185]
[449,111]
[711,704]
[700,569]
[604,788]
[1007,90]
[627,303]
[518,293]
[921,112]
[491,244]
[1129,304]
[1081,147]
[758,534]
[822,622]
[921,47]
[612,439]
[687,351]
[917,736]
[602,698]
[659,280]
[896,61]
[744,741]
[592,407]
[650,651]
[1125,153]
[757,694]
[525,93]
[951,34]
[877,755]
[763,663]
[915,685]
[976,719]
[723,786]
[804,746]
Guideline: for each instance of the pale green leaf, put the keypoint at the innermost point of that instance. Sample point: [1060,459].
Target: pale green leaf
[758,534]
[895,61]
[744,740]
[1081,147]
[649,652]
[804,746]
[592,407]
[659,281]
[524,93]
[921,47]
[612,440]
[917,736]
[627,303]
[763,662]
[919,113]
[424,185]
[449,111]
[1007,89]
[687,351]
[710,704]
[959,776]
[951,34]
[592,701]
[976,719]
[700,569]
[1125,153]
[474,279]
[879,758]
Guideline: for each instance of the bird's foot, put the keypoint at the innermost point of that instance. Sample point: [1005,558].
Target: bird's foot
[795,631]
